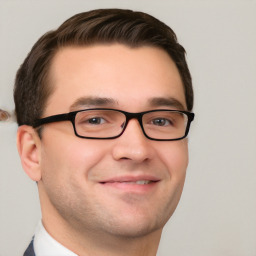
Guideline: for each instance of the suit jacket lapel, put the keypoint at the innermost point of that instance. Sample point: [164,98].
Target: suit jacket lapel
[30,250]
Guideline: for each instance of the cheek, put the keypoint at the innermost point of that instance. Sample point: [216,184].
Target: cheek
[73,158]
[175,156]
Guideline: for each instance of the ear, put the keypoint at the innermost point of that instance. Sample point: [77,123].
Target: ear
[28,144]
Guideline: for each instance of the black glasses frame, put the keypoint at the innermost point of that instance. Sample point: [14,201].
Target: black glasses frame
[71,117]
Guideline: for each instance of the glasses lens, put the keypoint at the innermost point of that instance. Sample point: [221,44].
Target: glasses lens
[165,125]
[99,123]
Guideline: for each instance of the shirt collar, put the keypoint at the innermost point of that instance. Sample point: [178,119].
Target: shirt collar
[45,245]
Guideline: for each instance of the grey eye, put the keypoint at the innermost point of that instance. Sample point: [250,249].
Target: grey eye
[161,122]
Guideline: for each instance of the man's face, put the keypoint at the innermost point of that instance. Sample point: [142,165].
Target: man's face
[92,183]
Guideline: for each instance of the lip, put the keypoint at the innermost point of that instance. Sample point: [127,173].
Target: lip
[128,183]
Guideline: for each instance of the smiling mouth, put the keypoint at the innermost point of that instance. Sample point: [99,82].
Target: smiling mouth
[140,186]
[138,182]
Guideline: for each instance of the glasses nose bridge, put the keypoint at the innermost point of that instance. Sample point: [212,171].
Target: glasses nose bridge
[130,116]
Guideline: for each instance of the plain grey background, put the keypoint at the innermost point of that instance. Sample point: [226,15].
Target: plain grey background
[217,212]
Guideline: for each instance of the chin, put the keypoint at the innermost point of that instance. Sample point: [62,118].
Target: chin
[135,226]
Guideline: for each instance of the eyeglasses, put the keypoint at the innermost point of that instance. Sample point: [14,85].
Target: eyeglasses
[103,123]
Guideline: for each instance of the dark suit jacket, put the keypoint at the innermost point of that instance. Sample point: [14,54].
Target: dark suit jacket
[30,250]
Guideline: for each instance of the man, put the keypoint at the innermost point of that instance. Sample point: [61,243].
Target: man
[103,106]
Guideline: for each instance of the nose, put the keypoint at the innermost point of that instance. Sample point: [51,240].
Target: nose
[132,144]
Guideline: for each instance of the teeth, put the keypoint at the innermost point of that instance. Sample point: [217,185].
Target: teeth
[139,182]
[142,182]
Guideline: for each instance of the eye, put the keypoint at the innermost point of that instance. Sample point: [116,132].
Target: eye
[161,122]
[96,120]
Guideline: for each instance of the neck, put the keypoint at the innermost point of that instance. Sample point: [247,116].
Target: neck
[90,243]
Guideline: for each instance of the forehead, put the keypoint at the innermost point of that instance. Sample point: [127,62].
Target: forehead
[114,71]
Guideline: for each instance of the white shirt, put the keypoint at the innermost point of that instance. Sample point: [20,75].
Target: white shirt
[45,245]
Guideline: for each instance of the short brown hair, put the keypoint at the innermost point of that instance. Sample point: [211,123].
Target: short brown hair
[131,28]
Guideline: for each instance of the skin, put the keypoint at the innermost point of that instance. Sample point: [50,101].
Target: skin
[81,212]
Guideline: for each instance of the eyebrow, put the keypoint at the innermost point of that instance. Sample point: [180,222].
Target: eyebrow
[98,101]
[166,102]
[92,101]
